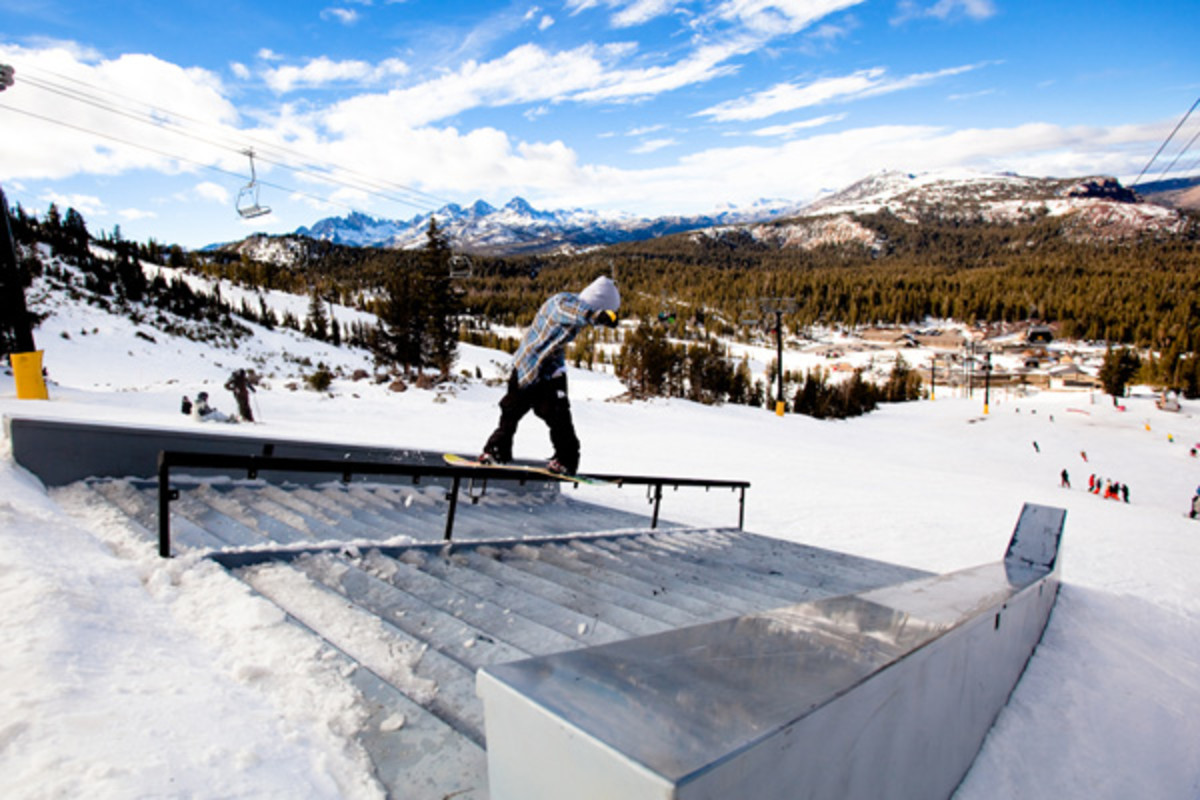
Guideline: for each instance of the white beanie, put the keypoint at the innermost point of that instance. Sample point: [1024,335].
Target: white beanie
[601,295]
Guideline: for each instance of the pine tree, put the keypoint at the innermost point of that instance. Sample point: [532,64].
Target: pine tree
[1120,364]
[439,345]
[316,324]
[401,318]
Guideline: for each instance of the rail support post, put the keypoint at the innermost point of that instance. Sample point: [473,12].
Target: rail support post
[453,507]
[164,506]
[657,503]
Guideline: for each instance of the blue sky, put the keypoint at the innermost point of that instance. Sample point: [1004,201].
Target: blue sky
[137,113]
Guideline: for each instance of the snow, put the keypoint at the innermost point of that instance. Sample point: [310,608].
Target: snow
[126,675]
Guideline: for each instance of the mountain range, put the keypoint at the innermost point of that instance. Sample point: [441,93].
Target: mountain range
[517,227]
[1093,208]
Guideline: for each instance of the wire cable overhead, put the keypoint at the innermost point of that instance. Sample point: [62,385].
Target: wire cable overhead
[198,131]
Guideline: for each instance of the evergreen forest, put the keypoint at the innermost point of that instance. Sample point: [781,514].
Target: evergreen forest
[1142,293]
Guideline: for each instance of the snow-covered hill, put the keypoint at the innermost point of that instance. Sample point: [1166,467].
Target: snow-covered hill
[129,676]
[1095,208]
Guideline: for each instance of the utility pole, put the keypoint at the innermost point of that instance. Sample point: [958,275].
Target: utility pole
[969,368]
[15,315]
[15,325]
[778,306]
[987,379]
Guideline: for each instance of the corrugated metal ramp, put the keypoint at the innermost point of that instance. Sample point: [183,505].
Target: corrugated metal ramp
[362,567]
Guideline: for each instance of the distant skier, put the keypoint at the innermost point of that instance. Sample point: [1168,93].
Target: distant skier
[1125,492]
[1066,480]
[242,384]
[538,382]
[202,411]
[1036,449]
[1195,504]
[1083,455]
[185,406]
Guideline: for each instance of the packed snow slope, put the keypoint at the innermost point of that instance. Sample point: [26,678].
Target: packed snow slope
[128,676]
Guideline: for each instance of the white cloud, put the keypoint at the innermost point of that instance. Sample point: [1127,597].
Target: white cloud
[629,13]
[705,64]
[526,74]
[780,17]
[240,70]
[970,95]
[323,71]
[792,128]
[396,135]
[770,18]
[653,145]
[134,214]
[800,168]
[793,96]
[48,136]
[639,12]
[945,9]
[642,131]
[346,16]
[86,204]
[207,190]
[545,22]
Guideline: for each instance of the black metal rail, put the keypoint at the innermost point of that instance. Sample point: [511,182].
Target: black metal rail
[345,470]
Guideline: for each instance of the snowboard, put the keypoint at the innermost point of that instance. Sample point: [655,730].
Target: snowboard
[459,461]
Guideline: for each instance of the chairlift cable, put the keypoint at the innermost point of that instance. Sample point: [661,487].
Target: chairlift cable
[384,185]
[1180,155]
[320,172]
[172,156]
[1178,125]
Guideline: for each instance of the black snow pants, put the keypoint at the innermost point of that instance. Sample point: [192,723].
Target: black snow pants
[548,400]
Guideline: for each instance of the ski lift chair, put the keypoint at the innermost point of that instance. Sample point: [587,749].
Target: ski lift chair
[460,266]
[247,199]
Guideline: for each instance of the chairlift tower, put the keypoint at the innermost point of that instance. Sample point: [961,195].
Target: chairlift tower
[14,314]
[777,307]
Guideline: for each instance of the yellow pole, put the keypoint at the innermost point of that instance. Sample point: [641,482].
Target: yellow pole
[27,371]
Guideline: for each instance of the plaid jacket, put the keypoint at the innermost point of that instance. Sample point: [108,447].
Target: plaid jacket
[542,351]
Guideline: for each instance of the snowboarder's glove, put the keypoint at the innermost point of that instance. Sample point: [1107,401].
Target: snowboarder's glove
[607,318]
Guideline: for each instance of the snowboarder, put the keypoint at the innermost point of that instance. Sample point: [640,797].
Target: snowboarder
[1066,480]
[242,384]
[538,382]
[1125,492]
[185,406]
